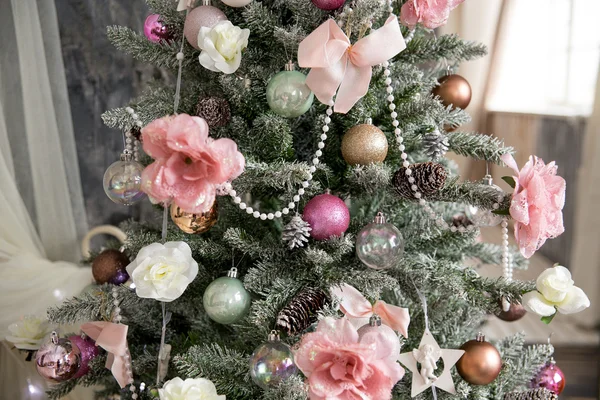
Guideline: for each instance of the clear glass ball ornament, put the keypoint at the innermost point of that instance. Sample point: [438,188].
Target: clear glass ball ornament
[481,217]
[379,245]
[225,300]
[272,362]
[123,181]
[287,93]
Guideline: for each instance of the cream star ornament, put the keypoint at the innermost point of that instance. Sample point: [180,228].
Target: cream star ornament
[428,354]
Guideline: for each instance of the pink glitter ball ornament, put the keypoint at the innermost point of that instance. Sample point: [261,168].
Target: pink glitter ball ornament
[328,5]
[155,30]
[327,215]
[88,350]
[551,378]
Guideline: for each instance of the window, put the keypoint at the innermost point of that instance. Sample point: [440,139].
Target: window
[547,57]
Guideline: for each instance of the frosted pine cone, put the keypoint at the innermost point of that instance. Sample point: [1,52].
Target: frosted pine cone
[301,312]
[214,111]
[435,144]
[296,232]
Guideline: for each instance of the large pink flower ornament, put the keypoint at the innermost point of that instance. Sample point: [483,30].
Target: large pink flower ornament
[537,203]
[429,13]
[340,366]
[188,164]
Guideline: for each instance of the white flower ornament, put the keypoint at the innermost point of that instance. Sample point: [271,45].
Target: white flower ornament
[28,333]
[222,46]
[190,389]
[163,271]
[556,291]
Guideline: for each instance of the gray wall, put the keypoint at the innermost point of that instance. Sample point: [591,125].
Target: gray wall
[100,77]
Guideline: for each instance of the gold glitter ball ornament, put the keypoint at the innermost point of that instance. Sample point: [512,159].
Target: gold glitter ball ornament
[364,144]
[194,223]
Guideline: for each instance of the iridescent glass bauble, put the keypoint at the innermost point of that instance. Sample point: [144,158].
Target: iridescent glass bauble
[379,245]
[271,363]
[123,182]
[288,95]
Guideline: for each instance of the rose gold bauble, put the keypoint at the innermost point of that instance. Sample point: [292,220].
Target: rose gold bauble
[453,90]
[108,264]
[514,313]
[364,144]
[481,363]
[58,360]
[194,223]
[203,16]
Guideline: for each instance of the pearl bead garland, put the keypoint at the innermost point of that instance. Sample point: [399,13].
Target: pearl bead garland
[507,260]
[127,356]
[228,188]
[132,145]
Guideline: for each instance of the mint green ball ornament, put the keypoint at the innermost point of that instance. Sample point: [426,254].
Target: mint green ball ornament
[225,300]
[287,93]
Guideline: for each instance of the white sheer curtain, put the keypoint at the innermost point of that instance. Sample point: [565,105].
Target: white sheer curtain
[42,212]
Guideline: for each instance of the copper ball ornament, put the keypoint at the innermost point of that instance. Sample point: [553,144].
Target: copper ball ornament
[199,17]
[364,144]
[58,360]
[514,313]
[481,363]
[454,90]
[194,223]
[110,266]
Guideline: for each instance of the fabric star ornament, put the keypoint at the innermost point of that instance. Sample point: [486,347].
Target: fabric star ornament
[340,366]
[428,355]
[537,203]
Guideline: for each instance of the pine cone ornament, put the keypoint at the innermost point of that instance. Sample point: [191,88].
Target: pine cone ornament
[533,394]
[215,111]
[429,178]
[296,232]
[435,144]
[301,312]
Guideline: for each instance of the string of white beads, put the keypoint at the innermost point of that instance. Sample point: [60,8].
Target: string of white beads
[228,188]
[131,143]
[507,260]
[127,356]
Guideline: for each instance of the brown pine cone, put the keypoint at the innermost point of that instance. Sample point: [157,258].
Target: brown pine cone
[429,178]
[214,111]
[301,311]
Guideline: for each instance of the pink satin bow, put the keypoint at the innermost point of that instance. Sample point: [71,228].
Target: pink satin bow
[355,305]
[112,338]
[337,65]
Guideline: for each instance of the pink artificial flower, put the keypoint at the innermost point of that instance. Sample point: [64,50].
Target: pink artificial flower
[537,203]
[429,13]
[188,164]
[341,366]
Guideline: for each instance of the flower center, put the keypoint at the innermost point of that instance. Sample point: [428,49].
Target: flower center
[188,160]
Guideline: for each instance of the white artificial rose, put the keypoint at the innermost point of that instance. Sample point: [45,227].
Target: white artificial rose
[190,389]
[28,333]
[222,46]
[163,271]
[555,291]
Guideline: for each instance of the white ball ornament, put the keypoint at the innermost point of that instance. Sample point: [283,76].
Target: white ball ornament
[236,3]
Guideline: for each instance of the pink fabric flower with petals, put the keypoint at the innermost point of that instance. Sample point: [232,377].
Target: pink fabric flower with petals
[537,203]
[188,164]
[340,366]
[429,13]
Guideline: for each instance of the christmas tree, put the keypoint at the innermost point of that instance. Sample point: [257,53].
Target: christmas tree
[305,202]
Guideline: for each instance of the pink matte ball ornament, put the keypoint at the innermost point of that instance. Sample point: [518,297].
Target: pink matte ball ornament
[327,215]
[328,5]
[88,350]
[155,30]
[203,16]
